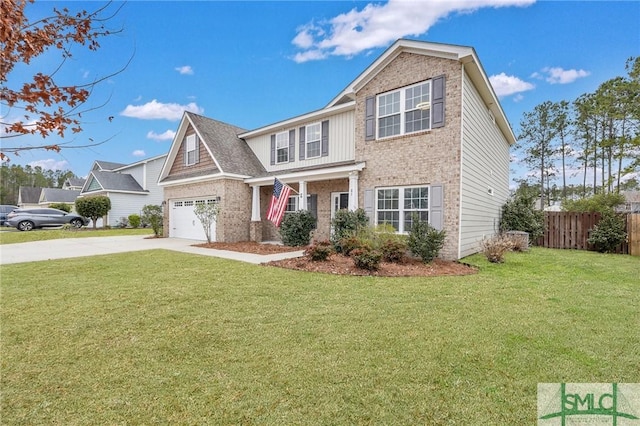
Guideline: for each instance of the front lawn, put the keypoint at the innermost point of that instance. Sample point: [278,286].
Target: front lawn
[12,235]
[172,338]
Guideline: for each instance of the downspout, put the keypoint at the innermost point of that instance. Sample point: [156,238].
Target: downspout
[462,118]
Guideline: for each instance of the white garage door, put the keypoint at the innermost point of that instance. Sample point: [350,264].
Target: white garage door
[184,222]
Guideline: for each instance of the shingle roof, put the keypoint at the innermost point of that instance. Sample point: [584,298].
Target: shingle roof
[111,181]
[108,165]
[76,182]
[29,194]
[232,153]
[58,195]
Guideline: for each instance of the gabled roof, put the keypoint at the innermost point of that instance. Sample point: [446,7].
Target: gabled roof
[112,181]
[106,165]
[75,182]
[231,155]
[464,54]
[58,195]
[29,194]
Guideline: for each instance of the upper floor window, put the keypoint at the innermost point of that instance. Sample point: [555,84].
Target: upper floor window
[191,150]
[282,147]
[313,137]
[406,110]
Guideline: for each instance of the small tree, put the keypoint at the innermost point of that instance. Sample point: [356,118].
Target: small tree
[519,214]
[296,228]
[152,215]
[207,214]
[93,207]
[61,206]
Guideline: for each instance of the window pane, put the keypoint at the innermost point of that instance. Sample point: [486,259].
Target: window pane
[389,104]
[313,149]
[389,126]
[415,95]
[417,120]
[408,219]
[389,218]
[283,155]
[416,198]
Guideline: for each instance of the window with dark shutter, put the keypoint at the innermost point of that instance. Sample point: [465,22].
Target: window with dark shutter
[325,138]
[370,119]
[437,103]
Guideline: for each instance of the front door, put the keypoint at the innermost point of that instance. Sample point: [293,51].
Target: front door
[339,200]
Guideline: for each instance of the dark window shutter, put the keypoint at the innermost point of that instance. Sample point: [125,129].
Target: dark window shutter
[312,206]
[301,144]
[273,149]
[197,154]
[370,119]
[325,138]
[437,102]
[186,154]
[292,145]
[436,208]
[369,201]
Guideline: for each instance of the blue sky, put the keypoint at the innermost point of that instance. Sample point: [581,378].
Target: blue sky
[254,63]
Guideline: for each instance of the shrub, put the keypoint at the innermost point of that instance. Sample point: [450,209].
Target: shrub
[519,214]
[366,258]
[608,233]
[152,214]
[519,242]
[93,207]
[134,220]
[319,250]
[346,224]
[123,222]
[349,244]
[495,248]
[296,228]
[424,240]
[393,250]
[596,203]
[61,206]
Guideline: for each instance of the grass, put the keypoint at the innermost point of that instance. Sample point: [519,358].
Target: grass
[12,235]
[119,340]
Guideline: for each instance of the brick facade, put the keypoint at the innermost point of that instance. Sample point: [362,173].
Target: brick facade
[431,157]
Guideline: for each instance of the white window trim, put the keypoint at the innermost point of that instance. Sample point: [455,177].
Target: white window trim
[401,210]
[307,140]
[279,140]
[402,111]
[191,139]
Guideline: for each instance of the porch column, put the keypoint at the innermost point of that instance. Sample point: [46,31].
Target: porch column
[255,204]
[302,195]
[353,191]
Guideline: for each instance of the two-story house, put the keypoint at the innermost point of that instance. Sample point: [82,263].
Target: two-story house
[420,131]
[129,186]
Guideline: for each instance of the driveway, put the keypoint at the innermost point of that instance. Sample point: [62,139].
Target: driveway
[93,246]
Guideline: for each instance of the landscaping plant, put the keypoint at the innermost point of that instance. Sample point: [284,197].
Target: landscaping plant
[134,220]
[207,214]
[609,233]
[152,214]
[495,248]
[93,207]
[296,228]
[424,240]
[366,258]
[61,206]
[520,214]
[319,250]
[347,224]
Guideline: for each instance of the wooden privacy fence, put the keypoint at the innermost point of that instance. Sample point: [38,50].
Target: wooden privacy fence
[570,230]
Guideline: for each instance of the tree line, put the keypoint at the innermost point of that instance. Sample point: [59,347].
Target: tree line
[597,134]
[14,176]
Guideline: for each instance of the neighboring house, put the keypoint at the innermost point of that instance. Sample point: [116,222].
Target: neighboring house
[420,131]
[50,196]
[74,184]
[29,196]
[632,202]
[129,186]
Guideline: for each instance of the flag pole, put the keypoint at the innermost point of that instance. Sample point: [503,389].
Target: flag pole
[292,190]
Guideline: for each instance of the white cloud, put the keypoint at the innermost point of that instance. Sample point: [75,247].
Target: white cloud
[168,135]
[50,164]
[505,85]
[557,75]
[185,70]
[138,153]
[155,110]
[379,24]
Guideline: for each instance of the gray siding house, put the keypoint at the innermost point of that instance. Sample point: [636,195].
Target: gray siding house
[420,131]
[129,186]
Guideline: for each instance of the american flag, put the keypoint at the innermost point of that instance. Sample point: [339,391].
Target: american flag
[278,204]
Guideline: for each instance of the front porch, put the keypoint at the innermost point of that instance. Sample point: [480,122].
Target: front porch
[322,191]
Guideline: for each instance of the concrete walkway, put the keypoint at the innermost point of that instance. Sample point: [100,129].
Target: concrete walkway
[80,247]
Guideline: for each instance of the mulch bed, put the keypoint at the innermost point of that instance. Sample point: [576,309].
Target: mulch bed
[342,265]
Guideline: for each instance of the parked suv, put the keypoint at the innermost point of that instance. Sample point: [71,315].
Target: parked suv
[28,219]
[4,210]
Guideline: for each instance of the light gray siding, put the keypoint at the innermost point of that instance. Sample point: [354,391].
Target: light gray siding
[484,169]
[341,144]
